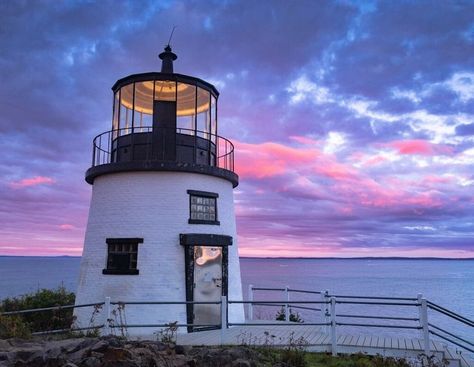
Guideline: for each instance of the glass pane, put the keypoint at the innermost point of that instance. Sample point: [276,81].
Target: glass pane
[126,108]
[143,105]
[186,108]
[203,113]
[165,90]
[115,121]
[213,119]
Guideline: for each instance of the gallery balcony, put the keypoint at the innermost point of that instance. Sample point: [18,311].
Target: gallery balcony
[162,149]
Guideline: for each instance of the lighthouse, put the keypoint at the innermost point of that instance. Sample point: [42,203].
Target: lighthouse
[161,225]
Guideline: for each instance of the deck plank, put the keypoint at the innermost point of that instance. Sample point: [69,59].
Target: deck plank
[367,340]
[347,339]
[374,341]
[380,342]
[360,341]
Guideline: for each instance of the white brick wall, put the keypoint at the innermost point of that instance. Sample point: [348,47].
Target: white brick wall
[155,207]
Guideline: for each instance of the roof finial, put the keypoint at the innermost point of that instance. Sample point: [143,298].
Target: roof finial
[171,35]
[168,57]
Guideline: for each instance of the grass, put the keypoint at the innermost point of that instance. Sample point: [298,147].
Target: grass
[271,356]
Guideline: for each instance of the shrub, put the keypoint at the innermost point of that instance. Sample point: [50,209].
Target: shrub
[14,327]
[41,320]
[294,316]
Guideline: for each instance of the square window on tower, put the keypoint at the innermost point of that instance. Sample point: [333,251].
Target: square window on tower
[202,207]
[122,256]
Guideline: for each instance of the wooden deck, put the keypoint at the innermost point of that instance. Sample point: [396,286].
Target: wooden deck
[316,340]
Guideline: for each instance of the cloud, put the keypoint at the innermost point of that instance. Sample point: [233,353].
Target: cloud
[33,181]
[420,147]
[67,227]
[352,122]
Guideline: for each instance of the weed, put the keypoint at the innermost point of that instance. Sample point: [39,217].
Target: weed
[168,334]
[119,321]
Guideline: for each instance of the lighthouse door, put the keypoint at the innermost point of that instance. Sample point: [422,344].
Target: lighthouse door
[208,285]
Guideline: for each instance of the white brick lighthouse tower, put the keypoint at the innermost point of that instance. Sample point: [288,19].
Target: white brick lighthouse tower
[161,222]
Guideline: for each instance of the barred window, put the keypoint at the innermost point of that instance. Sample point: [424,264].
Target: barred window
[122,256]
[202,207]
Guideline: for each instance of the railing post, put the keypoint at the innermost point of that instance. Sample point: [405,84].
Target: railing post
[333,327]
[107,313]
[287,306]
[423,312]
[250,307]
[93,153]
[324,310]
[223,317]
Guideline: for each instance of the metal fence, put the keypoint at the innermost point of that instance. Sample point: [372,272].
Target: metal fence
[328,308]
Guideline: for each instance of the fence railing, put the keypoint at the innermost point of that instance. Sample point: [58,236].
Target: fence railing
[331,319]
[421,322]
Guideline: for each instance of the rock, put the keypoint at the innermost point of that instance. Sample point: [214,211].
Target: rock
[182,349]
[116,354]
[24,354]
[71,345]
[100,346]
[120,364]
[91,362]
[4,345]
[241,363]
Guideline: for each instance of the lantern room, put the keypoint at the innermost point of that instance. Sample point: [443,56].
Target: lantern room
[135,104]
[163,117]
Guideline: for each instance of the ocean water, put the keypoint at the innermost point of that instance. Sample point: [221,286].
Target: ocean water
[449,283]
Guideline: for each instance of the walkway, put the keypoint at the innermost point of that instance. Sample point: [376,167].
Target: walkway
[316,340]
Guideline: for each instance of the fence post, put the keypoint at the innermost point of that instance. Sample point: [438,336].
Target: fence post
[250,307]
[333,327]
[424,324]
[107,316]
[223,317]
[287,308]
[324,310]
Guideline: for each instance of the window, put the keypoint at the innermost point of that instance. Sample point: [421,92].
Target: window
[122,255]
[202,207]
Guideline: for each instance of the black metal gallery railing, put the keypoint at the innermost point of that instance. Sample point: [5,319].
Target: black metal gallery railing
[163,144]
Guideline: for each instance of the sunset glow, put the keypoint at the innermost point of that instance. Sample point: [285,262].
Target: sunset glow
[353,122]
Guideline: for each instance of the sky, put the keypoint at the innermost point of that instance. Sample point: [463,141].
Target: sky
[353,121]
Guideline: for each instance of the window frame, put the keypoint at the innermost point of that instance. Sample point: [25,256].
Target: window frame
[121,241]
[208,195]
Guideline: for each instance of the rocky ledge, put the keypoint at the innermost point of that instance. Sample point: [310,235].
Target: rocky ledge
[116,352]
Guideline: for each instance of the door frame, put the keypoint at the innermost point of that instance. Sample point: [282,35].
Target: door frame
[189,241]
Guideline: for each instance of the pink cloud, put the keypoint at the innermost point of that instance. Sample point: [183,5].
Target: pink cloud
[420,147]
[33,181]
[334,170]
[270,159]
[301,168]
[304,140]
[67,226]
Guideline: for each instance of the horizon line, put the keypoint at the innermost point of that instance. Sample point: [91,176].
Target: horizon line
[298,257]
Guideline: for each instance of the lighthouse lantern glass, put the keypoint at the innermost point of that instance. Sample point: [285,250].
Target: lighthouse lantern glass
[126,109]
[165,90]
[196,108]
[143,105]
[115,122]
[213,119]
[186,109]
[203,113]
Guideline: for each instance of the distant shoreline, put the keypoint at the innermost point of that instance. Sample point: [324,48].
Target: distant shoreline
[288,258]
